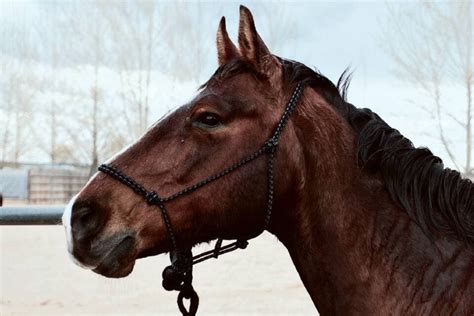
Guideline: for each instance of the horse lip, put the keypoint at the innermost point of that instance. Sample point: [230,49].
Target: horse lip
[110,264]
[80,264]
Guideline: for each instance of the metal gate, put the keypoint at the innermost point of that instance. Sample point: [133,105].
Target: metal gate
[31,215]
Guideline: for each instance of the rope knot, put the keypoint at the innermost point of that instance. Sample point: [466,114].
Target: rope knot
[172,279]
[271,144]
[187,290]
[152,197]
[242,244]
[188,293]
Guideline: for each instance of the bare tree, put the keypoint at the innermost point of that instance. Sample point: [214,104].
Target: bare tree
[18,105]
[191,49]
[48,30]
[88,44]
[275,23]
[135,28]
[188,47]
[431,42]
[16,95]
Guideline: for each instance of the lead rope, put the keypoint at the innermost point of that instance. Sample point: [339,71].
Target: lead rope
[179,275]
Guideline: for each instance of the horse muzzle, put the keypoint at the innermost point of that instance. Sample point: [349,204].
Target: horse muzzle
[90,247]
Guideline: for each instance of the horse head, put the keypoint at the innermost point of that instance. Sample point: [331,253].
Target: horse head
[109,226]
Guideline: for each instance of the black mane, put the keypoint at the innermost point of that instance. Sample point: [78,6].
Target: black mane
[437,198]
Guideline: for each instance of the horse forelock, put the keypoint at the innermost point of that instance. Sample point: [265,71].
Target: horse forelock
[232,68]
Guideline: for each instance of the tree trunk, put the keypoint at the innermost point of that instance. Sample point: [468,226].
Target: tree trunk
[53,135]
[6,137]
[468,81]
[149,52]
[468,169]
[444,141]
[95,100]
[16,155]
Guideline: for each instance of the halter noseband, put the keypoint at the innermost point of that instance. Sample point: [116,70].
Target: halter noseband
[178,276]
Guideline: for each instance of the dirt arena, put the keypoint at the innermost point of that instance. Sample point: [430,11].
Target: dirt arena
[37,278]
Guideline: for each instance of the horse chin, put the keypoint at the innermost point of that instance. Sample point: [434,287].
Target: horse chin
[114,271]
[119,262]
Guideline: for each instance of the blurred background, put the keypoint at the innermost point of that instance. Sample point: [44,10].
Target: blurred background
[79,80]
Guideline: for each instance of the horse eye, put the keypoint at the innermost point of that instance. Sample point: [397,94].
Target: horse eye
[208,120]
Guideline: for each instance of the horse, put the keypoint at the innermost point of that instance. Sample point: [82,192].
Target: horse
[374,225]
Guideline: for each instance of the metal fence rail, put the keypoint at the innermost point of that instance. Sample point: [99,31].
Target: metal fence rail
[31,215]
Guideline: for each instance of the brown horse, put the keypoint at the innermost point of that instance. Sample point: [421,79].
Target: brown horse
[373,225]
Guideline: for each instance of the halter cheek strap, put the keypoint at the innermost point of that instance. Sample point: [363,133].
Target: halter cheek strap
[178,276]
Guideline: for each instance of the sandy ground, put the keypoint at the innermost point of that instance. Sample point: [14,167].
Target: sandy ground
[37,278]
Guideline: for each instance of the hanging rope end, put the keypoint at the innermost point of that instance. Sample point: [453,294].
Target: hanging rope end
[242,244]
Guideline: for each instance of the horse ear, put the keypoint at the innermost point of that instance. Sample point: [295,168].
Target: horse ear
[226,50]
[251,45]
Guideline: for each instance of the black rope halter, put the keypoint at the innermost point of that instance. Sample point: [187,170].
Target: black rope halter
[179,275]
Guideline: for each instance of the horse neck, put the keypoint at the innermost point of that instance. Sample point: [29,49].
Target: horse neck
[354,249]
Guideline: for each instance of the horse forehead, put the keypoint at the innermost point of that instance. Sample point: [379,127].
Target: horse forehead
[228,100]
[244,80]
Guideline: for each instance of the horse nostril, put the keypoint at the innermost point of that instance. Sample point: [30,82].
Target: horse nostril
[86,222]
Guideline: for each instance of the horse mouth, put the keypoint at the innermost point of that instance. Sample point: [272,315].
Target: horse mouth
[119,261]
